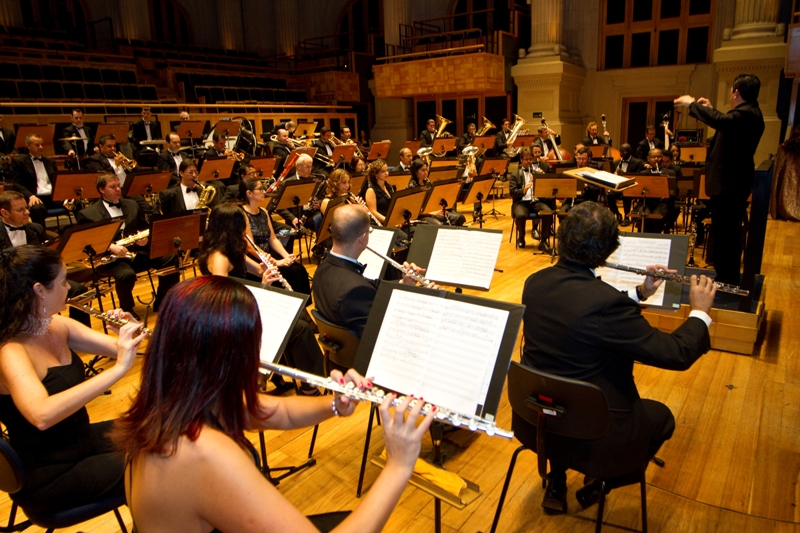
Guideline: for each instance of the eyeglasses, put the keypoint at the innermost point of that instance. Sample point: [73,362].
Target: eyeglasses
[192,172]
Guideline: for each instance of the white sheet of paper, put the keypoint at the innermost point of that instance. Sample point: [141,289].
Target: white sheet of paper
[464,257]
[637,252]
[381,240]
[438,349]
[277,312]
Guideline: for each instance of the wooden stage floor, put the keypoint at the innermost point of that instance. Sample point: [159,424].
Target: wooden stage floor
[732,464]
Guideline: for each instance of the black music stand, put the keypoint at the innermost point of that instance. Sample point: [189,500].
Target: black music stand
[291,195]
[174,233]
[379,150]
[358,184]
[653,186]
[377,353]
[215,169]
[558,188]
[405,207]
[479,189]
[442,194]
[498,167]
[324,230]
[342,154]
[191,130]
[75,185]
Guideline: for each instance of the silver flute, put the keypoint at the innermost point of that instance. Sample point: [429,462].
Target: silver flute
[422,280]
[264,257]
[677,278]
[105,317]
[376,395]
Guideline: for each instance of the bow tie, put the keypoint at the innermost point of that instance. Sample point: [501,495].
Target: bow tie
[36,158]
[118,205]
[173,154]
[15,228]
[191,189]
[146,123]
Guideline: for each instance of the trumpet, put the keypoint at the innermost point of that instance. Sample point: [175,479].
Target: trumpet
[124,162]
[376,395]
[422,280]
[353,199]
[677,278]
[105,317]
[238,156]
[264,257]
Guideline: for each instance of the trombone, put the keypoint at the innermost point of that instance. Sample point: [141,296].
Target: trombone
[296,142]
[349,141]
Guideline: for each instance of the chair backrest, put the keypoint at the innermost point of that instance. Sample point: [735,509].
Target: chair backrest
[572,408]
[345,340]
[12,474]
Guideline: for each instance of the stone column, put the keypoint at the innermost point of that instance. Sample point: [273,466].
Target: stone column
[755,18]
[132,20]
[229,24]
[10,13]
[546,29]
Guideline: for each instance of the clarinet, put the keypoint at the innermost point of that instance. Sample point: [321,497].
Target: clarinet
[422,280]
[353,199]
[376,395]
[692,237]
[677,278]
[105,317]
[264,257]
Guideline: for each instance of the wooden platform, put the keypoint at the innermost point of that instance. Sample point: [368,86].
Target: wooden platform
[732,465]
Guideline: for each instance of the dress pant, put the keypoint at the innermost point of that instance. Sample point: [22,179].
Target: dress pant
[728,213]
[124,273]
[523,210]
[39,211]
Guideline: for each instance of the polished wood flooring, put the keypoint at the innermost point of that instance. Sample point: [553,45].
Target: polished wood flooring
[732,464]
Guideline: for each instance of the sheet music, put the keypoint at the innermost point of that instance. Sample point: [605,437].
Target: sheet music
[382,240]
[278,311]
[438,349]
[637,252]
[464,257]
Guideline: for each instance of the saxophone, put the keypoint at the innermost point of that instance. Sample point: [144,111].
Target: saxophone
[206,196]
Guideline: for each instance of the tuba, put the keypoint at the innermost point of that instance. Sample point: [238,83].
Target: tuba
[440,132]
[206,195]
[516,130]
[487,125]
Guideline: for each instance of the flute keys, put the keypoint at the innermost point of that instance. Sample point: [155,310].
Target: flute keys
[455,419]
[473,426]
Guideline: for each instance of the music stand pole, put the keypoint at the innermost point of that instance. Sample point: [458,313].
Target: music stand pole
[89,369]
[479,211]
[494,212]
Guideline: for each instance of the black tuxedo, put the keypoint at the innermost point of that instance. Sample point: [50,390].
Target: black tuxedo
[8,141]
[589,331]
[318,165]
[464,141]
[131,214]
[643,148]
[601,141]
[634,165]
[172,199]
[34,234]
[280,153]
[426,137]
[342,294]
[138,133]
[522,209]
[23,173]
[78,146]
[167,164]
[100,163]
[500,144]
[546,142]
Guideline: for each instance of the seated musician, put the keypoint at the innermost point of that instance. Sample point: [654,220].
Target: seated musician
[341,293]
[193,470]
[357,165]
[344,133]
[170,159]
[324,146]
[77,149]
[501,139]
[676,154]
[627,164]
[110,161]
[379,192]
[145,129]
[467,138]
[34,176]
[185,195]
[657,206]
[8,139]
[592,138]
[68,461]
[545,143]
[123,270]
[251,195]
[583,159]
[650,142]
[223,252]
[521,184]
[302,170]
[281,149]
[419,178]
[587,330]
[219,150]
[405,161]
[428,134]
[19,232]
[338,183]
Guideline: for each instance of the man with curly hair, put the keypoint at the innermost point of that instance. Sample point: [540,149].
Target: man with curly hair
[579,327]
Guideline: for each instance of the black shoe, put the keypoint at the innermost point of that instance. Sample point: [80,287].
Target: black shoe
[589,494]
[133,314]
[555,497]
[520,243]
[535,234]
[281,386]
[544,247]
[625,223]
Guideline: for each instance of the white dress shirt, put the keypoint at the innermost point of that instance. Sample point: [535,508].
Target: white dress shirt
[17,237]
[191,199]
[43,185]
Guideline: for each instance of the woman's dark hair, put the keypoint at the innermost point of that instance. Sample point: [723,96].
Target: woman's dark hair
[334,180]
[792,144]
[416,165]
[185,164]
[224,234]
[588,235]
[354,163]
[247,184]
[373,169]
[200,369]
[20,269]
[673,145]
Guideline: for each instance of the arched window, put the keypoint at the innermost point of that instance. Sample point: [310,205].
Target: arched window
[169,22]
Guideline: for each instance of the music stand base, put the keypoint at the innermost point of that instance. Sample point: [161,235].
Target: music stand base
[286,471]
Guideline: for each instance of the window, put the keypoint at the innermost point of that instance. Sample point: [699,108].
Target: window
[647,33]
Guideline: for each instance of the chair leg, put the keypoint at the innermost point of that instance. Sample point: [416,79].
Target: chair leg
[502,499]
[600,508]
[644,502]
[372,412]
[120,521]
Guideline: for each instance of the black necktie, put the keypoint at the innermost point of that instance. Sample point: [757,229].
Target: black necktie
[118,205]
[191,189]
[15,228]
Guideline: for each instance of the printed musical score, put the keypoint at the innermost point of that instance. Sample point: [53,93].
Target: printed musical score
[382,240]
[439,349]
[638,252]
[464,258]
[278,311]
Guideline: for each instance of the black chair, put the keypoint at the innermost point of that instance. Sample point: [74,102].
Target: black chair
[559,406]
[534,217]
[131,92]
[12,479]
[52,73]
